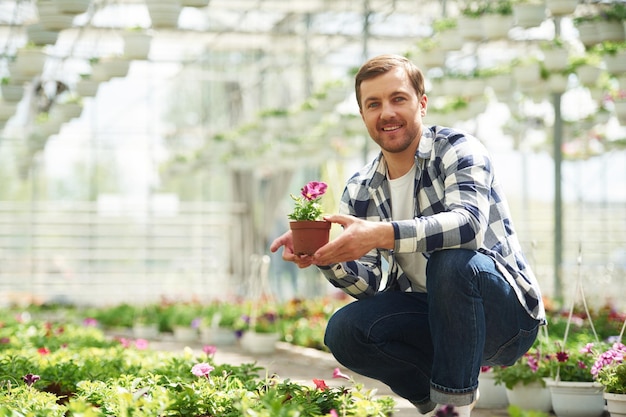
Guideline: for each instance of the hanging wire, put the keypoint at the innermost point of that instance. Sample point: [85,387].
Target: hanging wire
[621,333]
[578,290]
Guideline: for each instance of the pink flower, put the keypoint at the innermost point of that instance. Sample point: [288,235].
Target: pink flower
[313,190]
[338,374]
[202,369]
[90,322]
[124,342]
[612,356]
[588,348]
[43,351]
[333,413]
[141,344]
[209,350]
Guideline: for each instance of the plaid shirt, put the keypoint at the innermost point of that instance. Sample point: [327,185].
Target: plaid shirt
[459,204]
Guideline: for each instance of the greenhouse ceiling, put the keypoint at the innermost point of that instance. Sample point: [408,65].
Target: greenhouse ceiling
[321,26]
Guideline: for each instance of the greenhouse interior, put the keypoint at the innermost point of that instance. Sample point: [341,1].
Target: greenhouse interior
[151,152]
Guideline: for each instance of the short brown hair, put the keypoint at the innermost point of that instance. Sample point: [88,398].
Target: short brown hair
[384,63]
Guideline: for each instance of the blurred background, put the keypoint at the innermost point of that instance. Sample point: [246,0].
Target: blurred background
[148,148]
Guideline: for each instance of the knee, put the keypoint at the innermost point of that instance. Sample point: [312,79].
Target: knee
[447,269]
[337,330]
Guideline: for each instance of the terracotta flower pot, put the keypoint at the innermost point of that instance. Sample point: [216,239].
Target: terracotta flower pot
[309,236]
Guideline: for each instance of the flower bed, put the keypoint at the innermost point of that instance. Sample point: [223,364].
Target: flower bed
[66,369]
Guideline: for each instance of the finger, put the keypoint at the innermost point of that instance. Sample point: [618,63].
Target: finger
[282,240]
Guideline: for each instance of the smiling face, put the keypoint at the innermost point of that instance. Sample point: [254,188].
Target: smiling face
[392,111]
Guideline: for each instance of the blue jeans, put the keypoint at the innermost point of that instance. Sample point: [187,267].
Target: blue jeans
[429,347]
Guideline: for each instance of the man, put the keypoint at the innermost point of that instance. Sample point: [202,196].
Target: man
[459,292]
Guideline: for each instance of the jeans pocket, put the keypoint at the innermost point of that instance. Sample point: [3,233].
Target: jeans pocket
[514,348]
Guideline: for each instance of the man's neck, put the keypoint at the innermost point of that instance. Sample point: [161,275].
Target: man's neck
[399,164]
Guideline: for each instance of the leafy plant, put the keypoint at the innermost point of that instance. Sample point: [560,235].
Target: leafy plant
[532,367]
[307,205]
[610,369]
[575,363]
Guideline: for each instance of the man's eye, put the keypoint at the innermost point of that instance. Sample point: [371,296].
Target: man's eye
[372,105]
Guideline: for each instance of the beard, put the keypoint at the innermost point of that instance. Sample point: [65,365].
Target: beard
[397,142]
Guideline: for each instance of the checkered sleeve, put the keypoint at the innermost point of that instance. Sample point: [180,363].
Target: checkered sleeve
[360,278]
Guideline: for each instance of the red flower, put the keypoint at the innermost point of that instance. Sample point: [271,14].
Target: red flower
[320,384]
[562,356]
[43,351]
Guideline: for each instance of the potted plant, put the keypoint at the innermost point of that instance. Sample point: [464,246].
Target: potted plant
[136,43]
[525,380]
[609,370]
[217,326]
[529,13]
[614,56]
[587,68]
[447,34]
[555,54]
[259,330]
[30,60]
[498,19]
[612,28]
[573,389]
[183,320]
[146,322]
[309,231]
[492,395]
[11,92]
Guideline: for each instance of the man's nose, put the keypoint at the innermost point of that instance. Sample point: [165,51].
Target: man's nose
[387,110]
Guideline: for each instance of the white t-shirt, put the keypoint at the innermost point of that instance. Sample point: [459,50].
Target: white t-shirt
[403,208]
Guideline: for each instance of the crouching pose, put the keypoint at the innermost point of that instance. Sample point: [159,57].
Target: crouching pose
[457,292]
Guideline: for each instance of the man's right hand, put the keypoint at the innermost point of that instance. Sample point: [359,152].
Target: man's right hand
[286,241]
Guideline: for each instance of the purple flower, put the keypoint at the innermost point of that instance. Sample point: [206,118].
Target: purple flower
[30,379]
[446,411]
[313,190]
